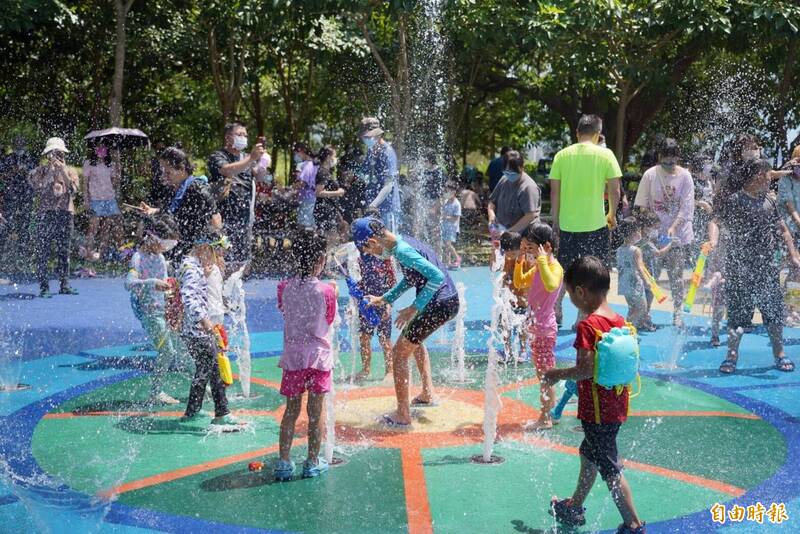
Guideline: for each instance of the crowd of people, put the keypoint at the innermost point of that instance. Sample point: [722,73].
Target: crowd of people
[196,239]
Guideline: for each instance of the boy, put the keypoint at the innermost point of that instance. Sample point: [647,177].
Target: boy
[510,244]
[451,225]
[752,277]
[587,282]
[436,303]
[199,334]
[377,277]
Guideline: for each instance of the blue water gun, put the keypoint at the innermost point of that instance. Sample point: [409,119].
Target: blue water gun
[370,313]
[571,388]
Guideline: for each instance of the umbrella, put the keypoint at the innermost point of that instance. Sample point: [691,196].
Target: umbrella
[118,137]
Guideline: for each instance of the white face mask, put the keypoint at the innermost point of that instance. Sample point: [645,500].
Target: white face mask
[268,178]
[240,142]
[749,155]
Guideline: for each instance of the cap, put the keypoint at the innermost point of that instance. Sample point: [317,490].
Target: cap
[370,126]
[364,228]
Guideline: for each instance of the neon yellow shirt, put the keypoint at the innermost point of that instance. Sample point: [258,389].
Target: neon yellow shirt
[583,170]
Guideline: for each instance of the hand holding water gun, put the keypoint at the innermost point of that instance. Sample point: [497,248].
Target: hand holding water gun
[368,311]
[697,276]
[570,389]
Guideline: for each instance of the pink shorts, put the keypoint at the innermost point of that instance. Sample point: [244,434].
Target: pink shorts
[542,349]
[295,383]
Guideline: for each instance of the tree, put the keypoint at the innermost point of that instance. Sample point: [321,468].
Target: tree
[121,10]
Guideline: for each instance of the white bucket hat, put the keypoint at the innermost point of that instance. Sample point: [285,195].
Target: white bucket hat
[55,143]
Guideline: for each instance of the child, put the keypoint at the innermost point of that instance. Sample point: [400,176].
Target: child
[510,247]
[451,223]
[587,282]
[543,280]
[199,334]
[377,277]
[752,274]
[436,303]
[146,282]
[648,224]
[309,308]
[633,274]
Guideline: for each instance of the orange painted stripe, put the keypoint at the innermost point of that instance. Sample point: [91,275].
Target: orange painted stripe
[418,510]
[518,385]
[183,472]
[708,483]
[263,382]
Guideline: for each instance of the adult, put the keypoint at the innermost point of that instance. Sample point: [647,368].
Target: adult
[101,170]
[433,182]
[192,205]
[582,176]
[327,212]
[17,204]
[55,185]
[380,171]
[306,184]
[496,167]
[667,191]
[232,175]
[160,193]
[352,203]
[515,202]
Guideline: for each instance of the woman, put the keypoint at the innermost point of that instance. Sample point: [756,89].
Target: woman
[306,184]
[667,191]
[327,212]
[192,205]
[101,172]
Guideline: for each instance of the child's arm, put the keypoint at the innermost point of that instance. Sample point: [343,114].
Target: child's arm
[583,370]
[787,238]
[551,274]
[411,259]
[133,280]
[522,278]
[661,251]
[639,259]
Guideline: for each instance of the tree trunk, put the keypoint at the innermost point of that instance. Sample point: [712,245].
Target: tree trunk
[122,7]
[780,133]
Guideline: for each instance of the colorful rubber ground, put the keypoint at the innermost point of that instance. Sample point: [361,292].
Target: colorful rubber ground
[83,451]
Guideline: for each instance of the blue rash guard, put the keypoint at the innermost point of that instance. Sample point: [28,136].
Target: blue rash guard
[423,270]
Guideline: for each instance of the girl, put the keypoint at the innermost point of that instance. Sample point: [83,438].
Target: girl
[543,279]
[306,184]
[101,172]
[309,308]
[451,225]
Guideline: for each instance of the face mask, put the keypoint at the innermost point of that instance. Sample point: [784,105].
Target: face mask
[669,167]
[334,162]
[749,155]
[101,152]
[240,142]
[369,141]
[268,178]
[707,169]
[298,158]
[511,175]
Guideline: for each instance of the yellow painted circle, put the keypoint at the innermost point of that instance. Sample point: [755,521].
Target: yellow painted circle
[447,416]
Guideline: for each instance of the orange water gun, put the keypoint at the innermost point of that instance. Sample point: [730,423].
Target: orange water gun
[697,277]
[225,371]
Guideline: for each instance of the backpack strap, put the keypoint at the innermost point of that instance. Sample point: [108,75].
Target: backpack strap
[595,397]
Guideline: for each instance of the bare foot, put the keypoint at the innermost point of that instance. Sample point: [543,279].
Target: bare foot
[363,375]
[540,425]
[394,420]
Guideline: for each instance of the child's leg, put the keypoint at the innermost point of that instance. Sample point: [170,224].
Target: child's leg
[586,479]
[204,354]
[402,351]
[674,260]
[293,406]
[623,498]
[366,355]
[156,328]
[314,410]
[385,340]
[544,360]
[424,366]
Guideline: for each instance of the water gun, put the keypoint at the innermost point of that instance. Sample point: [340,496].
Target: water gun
[697,276]
[370,313]
[225,371]
[658,294]
[570,389]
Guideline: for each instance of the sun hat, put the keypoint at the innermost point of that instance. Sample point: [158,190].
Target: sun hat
[370,126]
[55,143]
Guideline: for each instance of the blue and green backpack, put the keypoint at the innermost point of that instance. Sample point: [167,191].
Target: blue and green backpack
[616,363]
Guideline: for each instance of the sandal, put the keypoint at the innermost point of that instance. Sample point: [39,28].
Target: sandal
[419,403]
[728,367]
[784,364]
[388,420]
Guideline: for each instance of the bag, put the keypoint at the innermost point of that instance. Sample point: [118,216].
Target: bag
[225,371]
[173,306]
[616,363]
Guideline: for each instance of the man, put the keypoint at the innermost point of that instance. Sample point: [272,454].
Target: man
[380,172]
[232,175]
[580,177]
[496,167]
[515,201]
[55,185]
[18,203]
